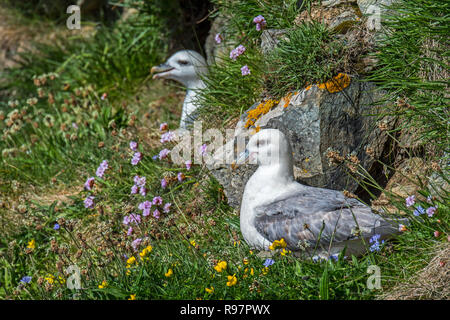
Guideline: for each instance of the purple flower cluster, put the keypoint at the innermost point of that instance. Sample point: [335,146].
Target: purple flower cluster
[163,154]
[136,243]
[180,176]
[419,210]
[260,22]
[268,263]
[168,136]
[157,201]
[164,183]
[89,183]
[139,186]
[132,218]
[89,202]
[245,71]
[102,168]
[218,38]
[410,201]
[133,145]
[235,53]
[137,157]
[376,244]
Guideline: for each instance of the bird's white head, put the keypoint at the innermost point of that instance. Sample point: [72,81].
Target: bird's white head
[185,66]
[268,147]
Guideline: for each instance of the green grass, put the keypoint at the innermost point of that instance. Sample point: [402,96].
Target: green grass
[200,229]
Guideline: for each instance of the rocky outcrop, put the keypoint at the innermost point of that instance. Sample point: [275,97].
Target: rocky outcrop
[316,120]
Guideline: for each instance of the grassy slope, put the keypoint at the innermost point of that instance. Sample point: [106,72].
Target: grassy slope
[199,230]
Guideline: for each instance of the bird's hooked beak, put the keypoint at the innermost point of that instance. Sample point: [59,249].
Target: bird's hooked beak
[158,71]
[242,158]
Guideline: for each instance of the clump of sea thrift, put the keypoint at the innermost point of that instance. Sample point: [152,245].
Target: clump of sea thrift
[238,51]
[167,137]
[218,38]
[102,168]
[163,126]
[245,71]
[137,157]
[260,22]
[410,201]
[89,183]
[163,154]
[133,145]
[89,202]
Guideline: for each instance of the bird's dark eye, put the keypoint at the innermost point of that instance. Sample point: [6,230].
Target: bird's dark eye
[183,62]
[260,143]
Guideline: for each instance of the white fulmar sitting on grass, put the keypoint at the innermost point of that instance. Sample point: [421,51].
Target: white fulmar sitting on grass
[185,67]
[275,206]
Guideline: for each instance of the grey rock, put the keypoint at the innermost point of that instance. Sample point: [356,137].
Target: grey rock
[315,121]
[270,39]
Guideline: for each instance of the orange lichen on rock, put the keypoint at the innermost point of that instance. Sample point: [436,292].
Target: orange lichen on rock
[338,83]
[261,109]
[287,100]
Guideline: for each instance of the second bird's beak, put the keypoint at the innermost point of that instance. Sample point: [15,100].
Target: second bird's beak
[158,70]
[242,158]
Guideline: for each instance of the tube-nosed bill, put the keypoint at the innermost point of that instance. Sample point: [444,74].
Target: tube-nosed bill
[159,71]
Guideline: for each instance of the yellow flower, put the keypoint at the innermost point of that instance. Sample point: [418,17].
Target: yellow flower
[285,252]
[145,252]
[50,278]
[132,297]
[61,280]
[245,261]
[169,273]
[103,285]
[193,243]
[265,270]
[278,244]
[131,260]
[221,265]
[209,290]
[31,244]
[252,272]
[232,280]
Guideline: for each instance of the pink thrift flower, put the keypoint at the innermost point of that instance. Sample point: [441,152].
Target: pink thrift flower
[130,231]
[156,214]
[167,207]
[411,200]
[163,126]
[401,228]
[89,202]
[145,204]
[89,183]
[133,145]
[136,243]
[437,234]
[245,71]
[163,154]
[431,211]
[188,164]
[143,191]
[137,157]
[139,181]
[102,168]
[235,53]
[104,96]
[157,201]
[163,183]
[218,38]
[180,176]
[167,137]
[203,148]
[134,189]
[146,212]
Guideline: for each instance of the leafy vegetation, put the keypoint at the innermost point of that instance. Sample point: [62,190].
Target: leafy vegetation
[77,102]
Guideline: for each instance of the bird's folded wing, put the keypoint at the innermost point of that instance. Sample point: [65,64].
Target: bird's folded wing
[323,217]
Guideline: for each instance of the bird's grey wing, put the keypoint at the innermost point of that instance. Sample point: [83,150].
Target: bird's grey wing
[323,218]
